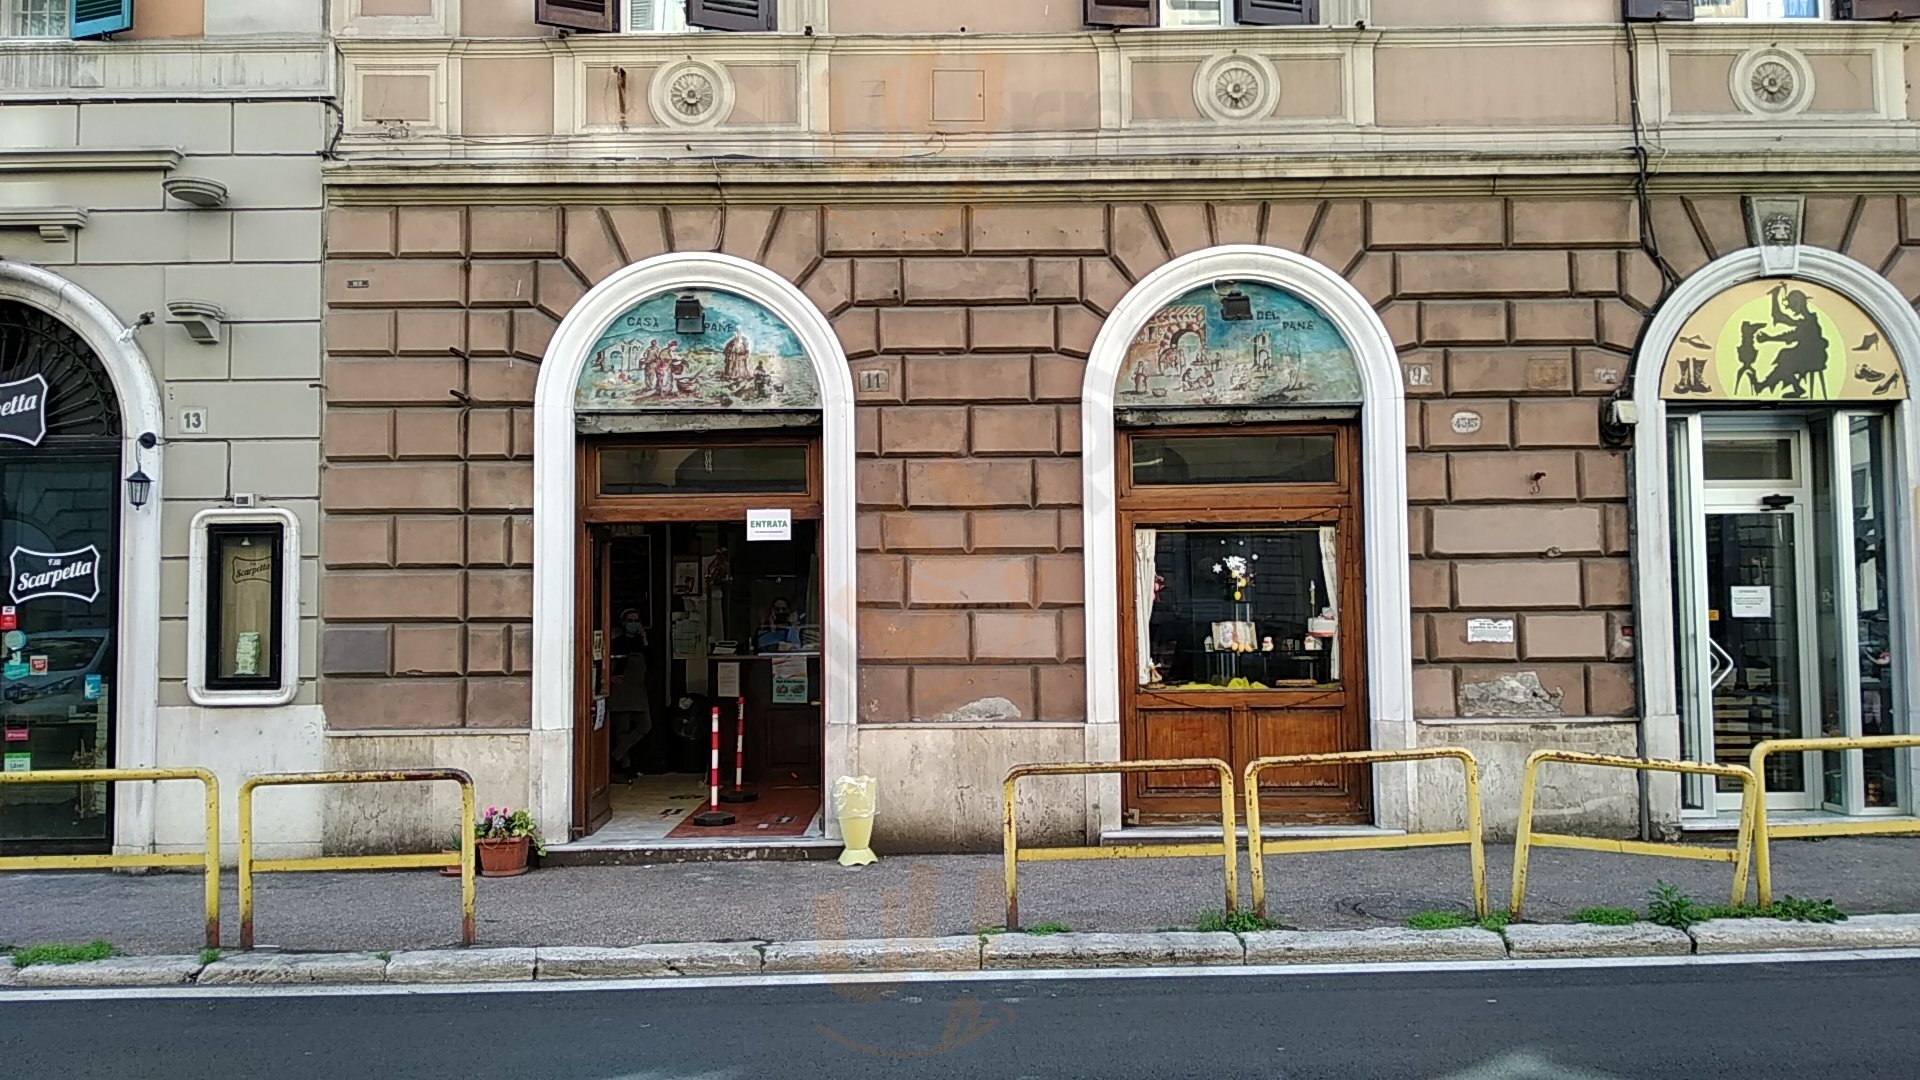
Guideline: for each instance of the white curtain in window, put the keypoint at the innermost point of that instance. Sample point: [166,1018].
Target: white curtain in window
[1145,551]
[1330,570]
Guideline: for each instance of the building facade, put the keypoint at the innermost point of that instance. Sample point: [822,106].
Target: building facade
[919,395]
[160,367]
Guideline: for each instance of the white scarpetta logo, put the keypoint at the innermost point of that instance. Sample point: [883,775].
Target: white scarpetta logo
[23,410]
[36,575]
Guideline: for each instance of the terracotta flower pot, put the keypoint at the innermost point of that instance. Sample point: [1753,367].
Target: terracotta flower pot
[504,858]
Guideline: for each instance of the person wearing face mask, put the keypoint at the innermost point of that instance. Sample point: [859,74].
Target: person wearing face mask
[779,633]
[632,712]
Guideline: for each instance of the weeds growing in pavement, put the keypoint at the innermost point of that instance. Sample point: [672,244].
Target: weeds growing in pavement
[1606,916]
[1496,922]
[383,956]
[61,954]
[1041,929]
[208,956]
[1439,920]
[1668,906]
[1671,907]
[1240,922]
[1793,909]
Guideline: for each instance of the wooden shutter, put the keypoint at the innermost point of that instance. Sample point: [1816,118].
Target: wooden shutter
[1276,12]
[91,18]
[1659,10]
[731,14]
[1876,10]
[601,15]
[1110,13]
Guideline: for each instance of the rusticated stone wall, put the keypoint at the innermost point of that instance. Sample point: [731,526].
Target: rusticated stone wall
[1514,317]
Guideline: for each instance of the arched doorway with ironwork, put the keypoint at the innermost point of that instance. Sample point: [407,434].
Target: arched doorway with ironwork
[79,536]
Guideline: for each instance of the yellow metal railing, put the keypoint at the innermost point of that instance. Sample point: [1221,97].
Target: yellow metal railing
[1526,839]
[209,858]
[1259,847]
[1227,848]
[250,866]
[1763,832]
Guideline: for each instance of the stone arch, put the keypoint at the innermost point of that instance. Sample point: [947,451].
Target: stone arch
[136,725]
[1383,514]
[556,510]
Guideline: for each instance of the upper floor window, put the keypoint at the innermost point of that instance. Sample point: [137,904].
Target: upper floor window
[1760,10]
[1202,13]
[35,18]
[656,16]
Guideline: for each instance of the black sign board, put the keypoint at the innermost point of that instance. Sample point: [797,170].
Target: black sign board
[37,575]
[23,410]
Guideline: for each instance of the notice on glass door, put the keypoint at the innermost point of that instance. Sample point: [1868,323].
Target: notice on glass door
[1750,601]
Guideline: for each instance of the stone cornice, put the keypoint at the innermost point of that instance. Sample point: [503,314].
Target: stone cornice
[40,70]
[1220,177]
[73,159]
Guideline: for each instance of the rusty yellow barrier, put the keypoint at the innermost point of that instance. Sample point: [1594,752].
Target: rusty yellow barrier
[250,866]
[1258,847]
[209,858]
[1228,847]
[1527,839]
[1764,832]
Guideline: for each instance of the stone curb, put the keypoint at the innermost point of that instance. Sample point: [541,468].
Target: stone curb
[1004,952]
[1721,936]
[1529,941]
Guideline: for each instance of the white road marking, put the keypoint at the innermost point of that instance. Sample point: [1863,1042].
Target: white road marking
[896,978]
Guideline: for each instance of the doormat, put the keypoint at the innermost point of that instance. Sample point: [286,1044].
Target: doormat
[777,812]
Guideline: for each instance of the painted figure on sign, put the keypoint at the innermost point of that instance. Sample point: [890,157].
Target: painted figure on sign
[1804,355]
[736,352]
[762,382]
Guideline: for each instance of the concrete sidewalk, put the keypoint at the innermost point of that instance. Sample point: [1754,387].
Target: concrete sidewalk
[905,896]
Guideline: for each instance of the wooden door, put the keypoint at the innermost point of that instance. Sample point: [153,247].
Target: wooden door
[592,729]
[1255,658]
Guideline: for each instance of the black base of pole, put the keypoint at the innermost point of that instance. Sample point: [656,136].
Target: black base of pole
[713,817]
[739,795]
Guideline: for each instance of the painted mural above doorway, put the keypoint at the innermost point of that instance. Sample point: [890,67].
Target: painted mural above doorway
[734,354]
[1781,339]
[1245,344]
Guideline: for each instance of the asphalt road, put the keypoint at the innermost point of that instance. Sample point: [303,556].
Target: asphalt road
[1837,1020]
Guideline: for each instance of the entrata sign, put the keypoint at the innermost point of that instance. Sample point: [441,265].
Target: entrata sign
[36,575]
[23,410]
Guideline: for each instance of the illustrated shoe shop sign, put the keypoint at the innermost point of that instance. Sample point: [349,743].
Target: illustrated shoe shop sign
[23,410]
[38,575]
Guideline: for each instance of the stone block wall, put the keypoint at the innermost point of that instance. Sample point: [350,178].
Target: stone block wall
[1515,320]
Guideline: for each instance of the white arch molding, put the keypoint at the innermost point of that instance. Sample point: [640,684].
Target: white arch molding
[1653,495]
[136,728]
[1383,506]
[556,510]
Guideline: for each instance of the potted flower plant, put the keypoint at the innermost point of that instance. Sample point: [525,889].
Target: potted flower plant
[504,838]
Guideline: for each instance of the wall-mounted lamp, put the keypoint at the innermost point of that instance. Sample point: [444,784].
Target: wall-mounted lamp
[139,484]
[688,316]
[196,191]
[200,319]
[1235,306]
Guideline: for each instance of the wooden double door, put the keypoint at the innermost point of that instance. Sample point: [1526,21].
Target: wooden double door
[1242,595]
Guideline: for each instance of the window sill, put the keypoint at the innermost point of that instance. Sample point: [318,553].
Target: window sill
[242,699]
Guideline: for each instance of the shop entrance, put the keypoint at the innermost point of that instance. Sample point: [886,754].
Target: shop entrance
[59,525]
[1784,592]
[699,589]
[1240,550]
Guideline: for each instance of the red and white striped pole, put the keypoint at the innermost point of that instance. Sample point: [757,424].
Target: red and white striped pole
[739,793]
[713,815]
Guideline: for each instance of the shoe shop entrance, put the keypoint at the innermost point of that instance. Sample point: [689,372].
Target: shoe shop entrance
[699,579]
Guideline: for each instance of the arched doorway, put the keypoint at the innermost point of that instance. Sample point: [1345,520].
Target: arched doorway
[679,397]
[1301,394]
[79,619]
[1774,460]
